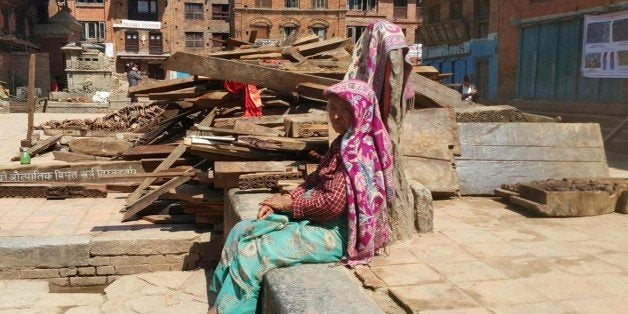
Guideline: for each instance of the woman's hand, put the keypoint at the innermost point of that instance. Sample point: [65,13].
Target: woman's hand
[264,211]
[282,203]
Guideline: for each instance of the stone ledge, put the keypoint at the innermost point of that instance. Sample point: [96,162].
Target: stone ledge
[325,289]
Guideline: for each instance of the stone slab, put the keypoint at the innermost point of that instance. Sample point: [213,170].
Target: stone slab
[241,205]
[44,252]
[327,290]
[143,242]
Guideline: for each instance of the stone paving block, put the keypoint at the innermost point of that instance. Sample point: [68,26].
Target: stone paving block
[127,260]
[473,310]
[617,259]
[557,285]
[67,272]
[495,250]
[160,267]
[49,252]
[105,270]
[501,292]
[87,271]
[10,274]
[170,280]
[123,270]
[595,306]
[39,273]
[441,253]
[143,242]
[522,267]
[61,282]
[518,235]
[285,291]
[368,278]
[437,296]
[585,265]
[536,308]
[467,271]
[548,248]
[471,236]
[113,278]
[407,274]
[84,310]
[171,258]
[156,259]
[100,261]
[138,269]
[241,205]
[55,300]
[19,294]
[615,284]
[398,255]
[88,281]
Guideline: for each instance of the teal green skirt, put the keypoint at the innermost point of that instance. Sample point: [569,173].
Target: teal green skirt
[254,247]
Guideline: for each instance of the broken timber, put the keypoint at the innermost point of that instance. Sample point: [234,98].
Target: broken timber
[137,206]
[266,180]
[40,147]
[230,70]
[49,191]
[166,86]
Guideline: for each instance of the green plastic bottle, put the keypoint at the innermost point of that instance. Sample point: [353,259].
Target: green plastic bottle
[25,157]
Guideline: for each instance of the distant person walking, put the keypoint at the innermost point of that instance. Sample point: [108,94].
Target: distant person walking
[134,76]
[468,90]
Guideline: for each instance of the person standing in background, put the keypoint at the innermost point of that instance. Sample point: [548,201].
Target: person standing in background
[468,90]
[133,76]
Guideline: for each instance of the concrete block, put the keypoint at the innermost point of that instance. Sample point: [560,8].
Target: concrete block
[87,271]
[67,272]
[48,252]
[88,281]
[172,259]
[111,279]
[39,273]
[100,261]
[123,270]
[241,205]
[10,274]
[128,260]
[105,270]
[160,267]
[138,269]
[61,282]
[328,290]
[156,259]
[143,242]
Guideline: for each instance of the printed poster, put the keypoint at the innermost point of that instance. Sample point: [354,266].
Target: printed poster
[605,52]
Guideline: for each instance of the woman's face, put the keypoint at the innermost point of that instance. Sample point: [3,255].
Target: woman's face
[340,114]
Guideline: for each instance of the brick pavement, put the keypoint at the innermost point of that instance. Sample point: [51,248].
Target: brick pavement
[486,257]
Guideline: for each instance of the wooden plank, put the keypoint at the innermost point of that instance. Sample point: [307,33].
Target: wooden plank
[156,175]
[266,180]
[76,172]
[311,38]
[437,175]
[74,157]
[32,61]
[427,133]
[311,90]
[231,70]
[312,125]
[502,113]
[272,55]
[158,86]
[137,206]
[175,154]
[531,134]
[209,118]
[99,146]
[147,151]
[529,153]
[234,54]
[325,45]
[174,95]
[239,131]
[441,95]
[255,129]
[40,147]
[226,174]
[170,219]
[234,151]
[270,121]
[87,133]
[49,191]
[482,177]
[195,194]
[318,144]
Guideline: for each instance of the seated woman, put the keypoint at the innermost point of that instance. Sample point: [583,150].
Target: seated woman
[338,214]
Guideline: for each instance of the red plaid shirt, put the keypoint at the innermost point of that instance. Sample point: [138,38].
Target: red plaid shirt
[323,195]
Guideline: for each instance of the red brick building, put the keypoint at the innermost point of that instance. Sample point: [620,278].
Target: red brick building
[404,13]
[276,19]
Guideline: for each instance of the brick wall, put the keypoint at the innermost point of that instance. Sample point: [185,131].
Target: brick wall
[20,70]
[385,10]
[513,10]
[248,15]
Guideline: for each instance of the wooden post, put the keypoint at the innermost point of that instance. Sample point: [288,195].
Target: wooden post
[31,101]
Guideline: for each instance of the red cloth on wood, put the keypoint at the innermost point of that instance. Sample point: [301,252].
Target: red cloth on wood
[323,196]
[252,106]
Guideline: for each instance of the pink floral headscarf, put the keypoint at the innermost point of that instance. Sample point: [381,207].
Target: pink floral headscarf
[366,152]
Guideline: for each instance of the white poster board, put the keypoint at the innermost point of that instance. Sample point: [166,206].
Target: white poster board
[605,45]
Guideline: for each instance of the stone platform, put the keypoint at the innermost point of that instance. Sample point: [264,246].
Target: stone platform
[78,242]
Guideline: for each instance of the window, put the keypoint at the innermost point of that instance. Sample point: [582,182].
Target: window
[194,40]
[362,5]
[263,31]
[90,2]
[262,3]
[433,14]
[482,13]
[320,31]
[319,4]
[155,44]
[455,9]
[131,41]
[400,9]
[287,30]
[218,39]
[292,4]
[220,12]
[193,11]
[143,10]
[93,30]
[354,32]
